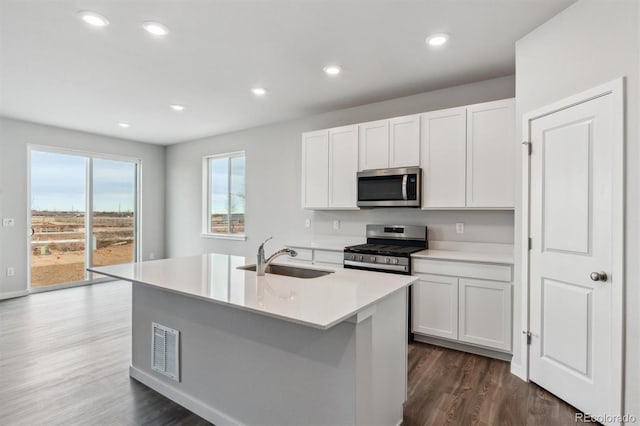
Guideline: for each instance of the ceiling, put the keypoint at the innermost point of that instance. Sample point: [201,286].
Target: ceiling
[57,70]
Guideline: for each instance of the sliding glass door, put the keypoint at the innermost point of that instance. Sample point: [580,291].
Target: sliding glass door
[83,212]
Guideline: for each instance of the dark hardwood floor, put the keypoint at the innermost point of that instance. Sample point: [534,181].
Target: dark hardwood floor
[64,358]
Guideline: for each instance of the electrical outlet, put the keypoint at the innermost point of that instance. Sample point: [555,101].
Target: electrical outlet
[8,221]
[460,228]
[336,224]
[307,223]
[11,271]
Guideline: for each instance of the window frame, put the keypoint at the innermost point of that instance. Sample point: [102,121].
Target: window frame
[206,197]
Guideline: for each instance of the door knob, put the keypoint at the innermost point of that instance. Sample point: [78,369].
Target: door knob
[598,276]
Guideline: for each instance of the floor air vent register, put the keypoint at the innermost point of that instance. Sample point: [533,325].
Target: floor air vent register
[165,357]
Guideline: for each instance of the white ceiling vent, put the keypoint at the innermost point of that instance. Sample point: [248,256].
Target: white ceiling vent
[165,356]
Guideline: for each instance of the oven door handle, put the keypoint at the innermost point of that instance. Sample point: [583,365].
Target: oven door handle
[401,268]
[404,186]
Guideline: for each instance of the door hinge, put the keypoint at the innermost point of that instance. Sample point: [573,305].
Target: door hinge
[528,144]
[528,334]
[530,243]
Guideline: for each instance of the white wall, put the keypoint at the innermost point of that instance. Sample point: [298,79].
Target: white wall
[14,138]
[273,155]
[588,44]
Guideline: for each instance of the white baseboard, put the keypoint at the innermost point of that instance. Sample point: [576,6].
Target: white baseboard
[12,294]
[463,347]
[187,401]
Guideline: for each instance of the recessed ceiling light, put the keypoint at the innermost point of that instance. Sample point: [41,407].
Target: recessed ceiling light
[123,124]
[93,18]
[177,107]
[332,70]
[155,28]
[437,40]
[259,91]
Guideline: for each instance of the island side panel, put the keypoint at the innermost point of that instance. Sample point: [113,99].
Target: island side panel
[239,367]
[382,362]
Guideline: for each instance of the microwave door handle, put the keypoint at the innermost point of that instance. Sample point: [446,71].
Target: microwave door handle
[404,187]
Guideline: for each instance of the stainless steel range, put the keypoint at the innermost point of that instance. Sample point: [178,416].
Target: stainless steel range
[388,248]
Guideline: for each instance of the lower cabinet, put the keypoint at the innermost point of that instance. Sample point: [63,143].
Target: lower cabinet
[465,310]
[316,256]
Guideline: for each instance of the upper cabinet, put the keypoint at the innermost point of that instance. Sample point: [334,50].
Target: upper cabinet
[329,167]
[444,148]
[404,141]
[373,145]
[491,154]
[468,157]
[389,143]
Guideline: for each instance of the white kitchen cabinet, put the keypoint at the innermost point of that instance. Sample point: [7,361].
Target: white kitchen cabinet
[343,166]
[468,303]
[468,156]
[491,155]
[485,313]
[404,141]
[435,306]
[390,143]
[444,158]
[315,169]
[329,167]
[373,145]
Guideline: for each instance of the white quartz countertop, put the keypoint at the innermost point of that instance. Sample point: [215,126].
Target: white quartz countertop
[465,256]
[317,302]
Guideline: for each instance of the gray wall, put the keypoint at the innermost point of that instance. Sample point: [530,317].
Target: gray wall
[590,43]
[14,138]
[273,181]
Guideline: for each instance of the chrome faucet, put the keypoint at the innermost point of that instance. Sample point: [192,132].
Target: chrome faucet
[262,264]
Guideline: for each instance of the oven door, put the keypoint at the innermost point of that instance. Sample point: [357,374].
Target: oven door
[389,187]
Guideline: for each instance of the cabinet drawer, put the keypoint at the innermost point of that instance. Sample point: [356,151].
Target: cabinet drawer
[326,256]
[485,271]
[304,255]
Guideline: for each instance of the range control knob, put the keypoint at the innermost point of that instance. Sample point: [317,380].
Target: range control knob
[394,261]
[387,260]
[372,259]
[359,258]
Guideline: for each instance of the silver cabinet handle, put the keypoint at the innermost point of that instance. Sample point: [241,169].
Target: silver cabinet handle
[598,276]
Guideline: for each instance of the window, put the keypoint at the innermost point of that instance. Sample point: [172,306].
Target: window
[224,195]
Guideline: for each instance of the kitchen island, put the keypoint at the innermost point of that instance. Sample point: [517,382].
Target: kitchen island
[271,350]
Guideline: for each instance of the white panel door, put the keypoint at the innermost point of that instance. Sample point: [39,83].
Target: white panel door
[443,150]
[343,166]
[373,143]
[435,306]
[485,313]
[404,141]
[571,231]
[315,169]
[491,154]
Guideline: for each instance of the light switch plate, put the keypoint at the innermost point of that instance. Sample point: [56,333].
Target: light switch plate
[336,224]
[460,228]
[307,223]
[11,271]
[8,221]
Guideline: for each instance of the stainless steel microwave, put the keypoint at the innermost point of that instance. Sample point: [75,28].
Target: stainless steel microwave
[390,187]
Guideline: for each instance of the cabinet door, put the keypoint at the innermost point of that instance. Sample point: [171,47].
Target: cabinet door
[343,166]
[404,141]
[373,144]
[485,313]
[315,169]
[444,158]
[491,154]
[434,306]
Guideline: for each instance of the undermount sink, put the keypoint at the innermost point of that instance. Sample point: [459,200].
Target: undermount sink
[289,271]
